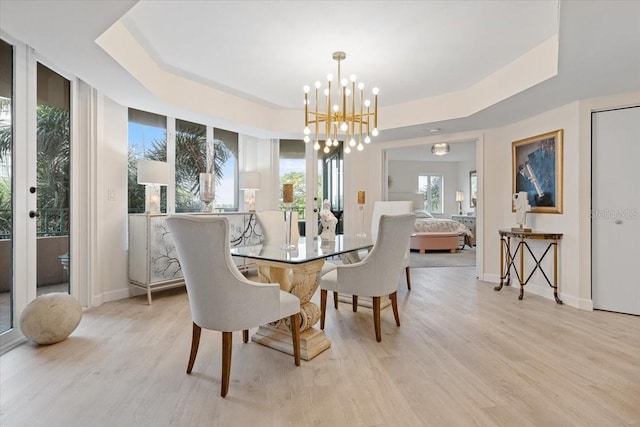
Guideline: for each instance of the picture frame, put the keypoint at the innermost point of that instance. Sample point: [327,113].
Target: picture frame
[537,170]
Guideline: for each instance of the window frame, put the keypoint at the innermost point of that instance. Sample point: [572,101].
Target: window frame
[427,201]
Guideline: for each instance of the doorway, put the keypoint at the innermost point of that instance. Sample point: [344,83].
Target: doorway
[35,165]
[615,210]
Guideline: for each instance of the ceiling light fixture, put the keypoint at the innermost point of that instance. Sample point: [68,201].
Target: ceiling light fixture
[341,114]
[440,149]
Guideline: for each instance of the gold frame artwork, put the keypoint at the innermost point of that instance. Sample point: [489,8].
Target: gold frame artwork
[537,169]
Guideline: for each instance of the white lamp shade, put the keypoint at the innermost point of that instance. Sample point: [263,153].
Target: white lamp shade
[153,172]
[249,181]
[459,196]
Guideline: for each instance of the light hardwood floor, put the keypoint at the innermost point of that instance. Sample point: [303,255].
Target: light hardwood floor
[464,355]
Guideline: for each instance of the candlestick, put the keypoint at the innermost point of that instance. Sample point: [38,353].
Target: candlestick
[287,193]
[288,245]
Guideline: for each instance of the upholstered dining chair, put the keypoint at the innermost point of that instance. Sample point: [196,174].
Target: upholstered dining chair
[273,226]
[380,208]
[385,207]
[377,274]
[220,297]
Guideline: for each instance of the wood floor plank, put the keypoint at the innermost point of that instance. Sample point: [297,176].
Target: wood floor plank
[464,355]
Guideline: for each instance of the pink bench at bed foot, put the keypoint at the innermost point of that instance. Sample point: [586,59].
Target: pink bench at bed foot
[434,241]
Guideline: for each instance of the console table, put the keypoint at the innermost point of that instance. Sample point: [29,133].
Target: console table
[515,258]
[153,262]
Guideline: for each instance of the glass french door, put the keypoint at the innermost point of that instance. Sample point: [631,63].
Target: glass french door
[35,161]
[51,192]
[6,186]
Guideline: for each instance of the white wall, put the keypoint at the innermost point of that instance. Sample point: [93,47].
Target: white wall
[111,199]
[404,175]
[497,201]
[574,222]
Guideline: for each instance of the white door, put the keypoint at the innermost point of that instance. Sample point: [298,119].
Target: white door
[615,214]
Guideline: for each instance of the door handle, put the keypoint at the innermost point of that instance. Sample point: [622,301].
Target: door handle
[34,214]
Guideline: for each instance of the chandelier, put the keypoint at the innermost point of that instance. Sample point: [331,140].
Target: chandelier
[440,149]
[344,114]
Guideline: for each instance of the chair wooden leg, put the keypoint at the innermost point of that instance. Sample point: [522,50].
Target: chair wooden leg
[295,333]
[408,278]
[354,303]
[227,339]
[376,318]
[195,341]
[245,335]
[323,307]
[394,304]
[335,300]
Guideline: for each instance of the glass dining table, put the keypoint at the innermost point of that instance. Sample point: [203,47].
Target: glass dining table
[297,271]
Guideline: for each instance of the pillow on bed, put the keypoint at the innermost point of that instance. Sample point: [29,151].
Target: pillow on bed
[422,214]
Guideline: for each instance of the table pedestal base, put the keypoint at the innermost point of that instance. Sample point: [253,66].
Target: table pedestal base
[312,341]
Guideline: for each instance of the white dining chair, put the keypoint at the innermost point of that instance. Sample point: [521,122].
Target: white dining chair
[273,225]
[384,207]
[387,207]
[220,297]
[377,274]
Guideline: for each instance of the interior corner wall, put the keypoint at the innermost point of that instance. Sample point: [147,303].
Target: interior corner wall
[111,200]
[259,155]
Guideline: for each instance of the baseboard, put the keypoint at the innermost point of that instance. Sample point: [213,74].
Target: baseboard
[491,278]
[110,296]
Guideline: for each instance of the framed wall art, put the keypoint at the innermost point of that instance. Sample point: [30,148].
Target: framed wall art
[537,170]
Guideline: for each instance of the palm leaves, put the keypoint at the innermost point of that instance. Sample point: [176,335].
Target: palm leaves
[191,160]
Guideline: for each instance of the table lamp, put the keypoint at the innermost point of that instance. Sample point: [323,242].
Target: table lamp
[250,183]
[152,174]
[459,199]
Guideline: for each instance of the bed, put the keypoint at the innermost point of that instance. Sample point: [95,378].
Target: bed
[438,233]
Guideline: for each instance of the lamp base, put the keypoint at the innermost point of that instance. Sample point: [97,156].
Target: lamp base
[152,199]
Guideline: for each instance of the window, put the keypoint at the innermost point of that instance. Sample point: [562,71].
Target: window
[6,186]
[226,190]
[147,140]
[431,187]
[292,170]
[191,160]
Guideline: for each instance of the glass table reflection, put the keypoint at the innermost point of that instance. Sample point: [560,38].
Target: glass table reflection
[298,272]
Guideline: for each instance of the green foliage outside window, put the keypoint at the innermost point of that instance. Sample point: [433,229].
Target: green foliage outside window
[53,141]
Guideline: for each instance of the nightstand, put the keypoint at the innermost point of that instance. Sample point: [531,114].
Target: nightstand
[470,223]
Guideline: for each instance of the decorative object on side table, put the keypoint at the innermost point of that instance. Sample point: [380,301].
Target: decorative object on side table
[521,203]
[361,201]
[328,221]
[287,201]
[207,191]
